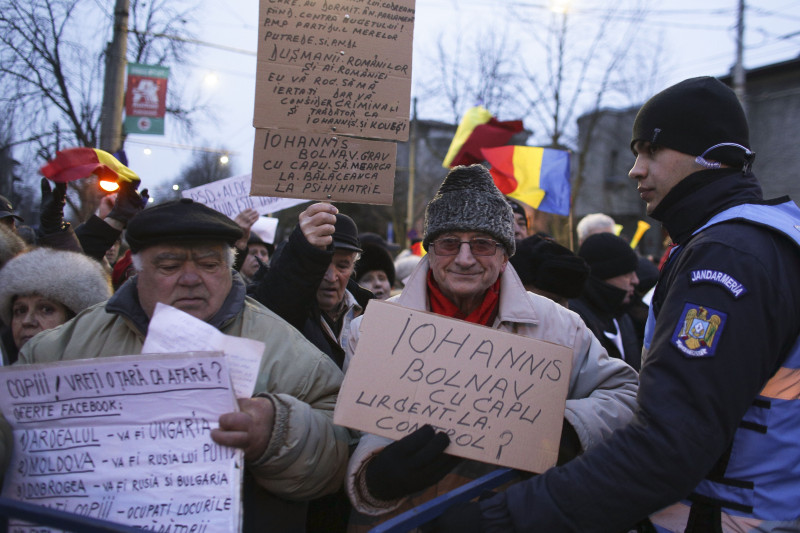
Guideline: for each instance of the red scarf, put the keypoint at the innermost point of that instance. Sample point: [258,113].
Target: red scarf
[484,314]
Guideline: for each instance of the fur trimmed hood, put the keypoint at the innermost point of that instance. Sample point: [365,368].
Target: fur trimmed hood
[70,278]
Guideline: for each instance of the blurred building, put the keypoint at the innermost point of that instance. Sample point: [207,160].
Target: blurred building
[773,110]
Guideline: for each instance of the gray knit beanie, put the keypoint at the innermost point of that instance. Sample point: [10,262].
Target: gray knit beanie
[69,278]
[468,200]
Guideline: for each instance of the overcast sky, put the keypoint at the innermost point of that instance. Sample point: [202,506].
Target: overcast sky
[696,41]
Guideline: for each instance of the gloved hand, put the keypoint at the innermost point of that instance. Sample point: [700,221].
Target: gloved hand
[464,518]
[51,218]
[409,465]
[128,202]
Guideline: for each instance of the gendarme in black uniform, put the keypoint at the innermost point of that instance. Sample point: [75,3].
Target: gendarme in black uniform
[715,374]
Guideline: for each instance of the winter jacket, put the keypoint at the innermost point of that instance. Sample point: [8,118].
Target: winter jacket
[600,398]
[692,394]
[307,454]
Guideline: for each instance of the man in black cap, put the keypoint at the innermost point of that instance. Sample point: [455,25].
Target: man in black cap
[715,443]
[521,225]
[7,215]
[308,282]
[183,252]
[608,293]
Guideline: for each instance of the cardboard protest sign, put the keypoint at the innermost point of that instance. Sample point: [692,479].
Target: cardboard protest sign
[323,167]
[231,196]
[499,396]
[335,67]
[125,439]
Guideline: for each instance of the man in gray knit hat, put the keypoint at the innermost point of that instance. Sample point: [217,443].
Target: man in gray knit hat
[469,236]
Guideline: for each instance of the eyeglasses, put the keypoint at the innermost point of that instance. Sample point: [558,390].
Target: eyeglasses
[477,245]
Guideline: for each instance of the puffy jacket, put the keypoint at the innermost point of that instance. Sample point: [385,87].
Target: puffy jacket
[600,399]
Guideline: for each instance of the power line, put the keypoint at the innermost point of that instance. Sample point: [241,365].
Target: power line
[164,144]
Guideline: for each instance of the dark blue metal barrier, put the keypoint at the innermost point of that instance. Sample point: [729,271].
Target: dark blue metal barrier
[54,518]
[426,512]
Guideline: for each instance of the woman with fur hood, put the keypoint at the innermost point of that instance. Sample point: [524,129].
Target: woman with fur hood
[44,288]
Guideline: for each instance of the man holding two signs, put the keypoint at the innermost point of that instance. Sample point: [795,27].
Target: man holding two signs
[183,254]
[469,234]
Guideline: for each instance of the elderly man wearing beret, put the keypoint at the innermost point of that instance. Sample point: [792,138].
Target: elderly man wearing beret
[183,254]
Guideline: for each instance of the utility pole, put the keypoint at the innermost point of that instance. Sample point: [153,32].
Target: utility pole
[412,171]
[114,87]
[738,67]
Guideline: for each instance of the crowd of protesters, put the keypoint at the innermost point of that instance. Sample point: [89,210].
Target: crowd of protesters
[659,439]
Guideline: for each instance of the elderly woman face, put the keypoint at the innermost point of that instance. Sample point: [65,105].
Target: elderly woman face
[31,314]
[378,282]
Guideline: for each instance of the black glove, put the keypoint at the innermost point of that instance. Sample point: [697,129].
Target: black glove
[128,202]
[409,465]
[51,218]
[464,518]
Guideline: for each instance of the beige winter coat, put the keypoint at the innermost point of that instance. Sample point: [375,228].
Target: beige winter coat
[601,396]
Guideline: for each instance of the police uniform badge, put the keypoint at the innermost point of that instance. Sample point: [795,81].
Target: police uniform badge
[698,331]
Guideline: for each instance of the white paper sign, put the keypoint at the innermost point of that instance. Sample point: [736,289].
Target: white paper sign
[125,439]
[231,196]
[265,228]
[173,331]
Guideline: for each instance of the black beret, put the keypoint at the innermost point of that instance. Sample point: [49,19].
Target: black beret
[180,221]
[608,256]
[345,234]
[548,266]
[375,257]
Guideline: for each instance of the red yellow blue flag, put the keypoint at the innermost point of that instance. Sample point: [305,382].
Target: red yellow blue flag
[537,176]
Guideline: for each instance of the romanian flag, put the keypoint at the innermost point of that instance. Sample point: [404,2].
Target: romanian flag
[478,129]
[76,163]
[418,249]
[537,176]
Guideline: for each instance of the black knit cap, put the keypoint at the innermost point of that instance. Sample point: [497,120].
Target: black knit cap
[548,266]
[516,207]
[608,256]
[180,221]
[345,234]
[691,117]
[468,200]
[375,257]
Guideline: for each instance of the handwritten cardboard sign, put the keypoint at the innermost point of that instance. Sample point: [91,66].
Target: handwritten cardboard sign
[341,67]
[125,439]
[231,196]
[499,396]
[323,167]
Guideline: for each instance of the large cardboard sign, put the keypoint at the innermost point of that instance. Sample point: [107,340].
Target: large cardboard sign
[499,396]
[125,439]
[231,196]
[323,167]
[341,67]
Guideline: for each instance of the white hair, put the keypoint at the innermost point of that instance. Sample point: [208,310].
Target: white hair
[594,223]
[230,258]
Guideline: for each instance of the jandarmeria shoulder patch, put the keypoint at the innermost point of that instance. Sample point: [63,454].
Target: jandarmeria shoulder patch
[717,277]
[699,330]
